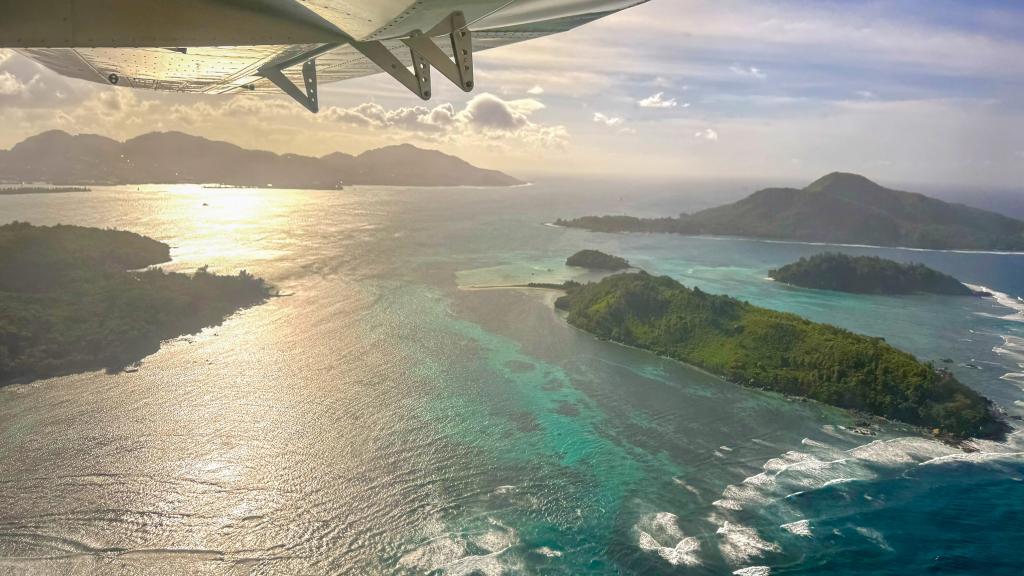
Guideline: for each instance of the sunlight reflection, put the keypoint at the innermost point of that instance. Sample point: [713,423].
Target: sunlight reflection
[223,224]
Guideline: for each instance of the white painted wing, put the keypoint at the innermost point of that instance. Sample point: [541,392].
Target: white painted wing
[229,69]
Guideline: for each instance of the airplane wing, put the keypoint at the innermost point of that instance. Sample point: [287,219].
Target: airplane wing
[235,46]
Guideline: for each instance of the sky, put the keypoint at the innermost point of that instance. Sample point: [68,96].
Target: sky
[902,91]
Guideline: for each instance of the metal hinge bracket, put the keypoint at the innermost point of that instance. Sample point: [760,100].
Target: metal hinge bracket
[307,94]
[417,81]
[459,68]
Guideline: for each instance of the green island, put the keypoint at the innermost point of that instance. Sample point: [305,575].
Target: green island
[12,191]
[838,208]
[73,299]
[778,351]
[868,275]
[597,260]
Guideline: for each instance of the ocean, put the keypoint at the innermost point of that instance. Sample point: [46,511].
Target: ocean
[392,414]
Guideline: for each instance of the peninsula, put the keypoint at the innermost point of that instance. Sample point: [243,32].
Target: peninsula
[838,208]
[868,275]
[778,351]
[17,190]
[597,260]
[71,299]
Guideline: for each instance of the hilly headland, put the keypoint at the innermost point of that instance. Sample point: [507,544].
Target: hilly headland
[74,299]
[839,208]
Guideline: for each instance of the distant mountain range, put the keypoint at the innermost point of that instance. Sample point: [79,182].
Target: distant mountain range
[57,157]
[838,208]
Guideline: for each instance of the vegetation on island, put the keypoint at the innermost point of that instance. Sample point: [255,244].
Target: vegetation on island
[72,299]
[597,260]
[778,351]
[867,275]
[837,208]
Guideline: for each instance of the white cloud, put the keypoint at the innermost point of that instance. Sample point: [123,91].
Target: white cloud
[10,85]
[537,90]
[866,94]
[485,116]
[749,71]
[707,134]
[33,92]
[5,54]
[609,121]
[659,101]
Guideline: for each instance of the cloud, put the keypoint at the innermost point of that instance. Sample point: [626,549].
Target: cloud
[485,116]
[749,71]
[25,84]
[707,134]
[874,79]
[659,101]
[10,85]
[864,35]
[518,71]
[610,121]
[663,82]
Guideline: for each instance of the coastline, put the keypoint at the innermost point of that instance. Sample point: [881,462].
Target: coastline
[480,287]
[797,242]
[859,422]
[228,186]
[963,444]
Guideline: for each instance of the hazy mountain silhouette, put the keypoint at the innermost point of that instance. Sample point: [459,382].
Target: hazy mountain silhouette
[839,208]
[173,157]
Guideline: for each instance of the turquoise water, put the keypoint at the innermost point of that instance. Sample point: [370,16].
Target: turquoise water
[390,416]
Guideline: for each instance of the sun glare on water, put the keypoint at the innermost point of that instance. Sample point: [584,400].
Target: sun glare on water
[223,224]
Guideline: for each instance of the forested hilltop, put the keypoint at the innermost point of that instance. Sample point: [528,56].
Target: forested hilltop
[837,208]
[778,351]
[70,300]
[597,260]
[867,275]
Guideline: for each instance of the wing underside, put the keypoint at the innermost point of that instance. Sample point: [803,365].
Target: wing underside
[233,69]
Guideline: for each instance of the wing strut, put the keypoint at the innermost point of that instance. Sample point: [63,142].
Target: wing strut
[417,81]
[460,69]
[423,52]
[307,98]
[306,95]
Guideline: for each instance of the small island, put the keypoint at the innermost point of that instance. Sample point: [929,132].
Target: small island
[597,260]
[868,275]
[73,299]
[778,351]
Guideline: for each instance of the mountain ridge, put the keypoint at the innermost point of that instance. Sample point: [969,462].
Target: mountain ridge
[58,157]
[838,208]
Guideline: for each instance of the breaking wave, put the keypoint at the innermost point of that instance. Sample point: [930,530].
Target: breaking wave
[660,534]
[1012,302]
[764,513]
[465,554]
